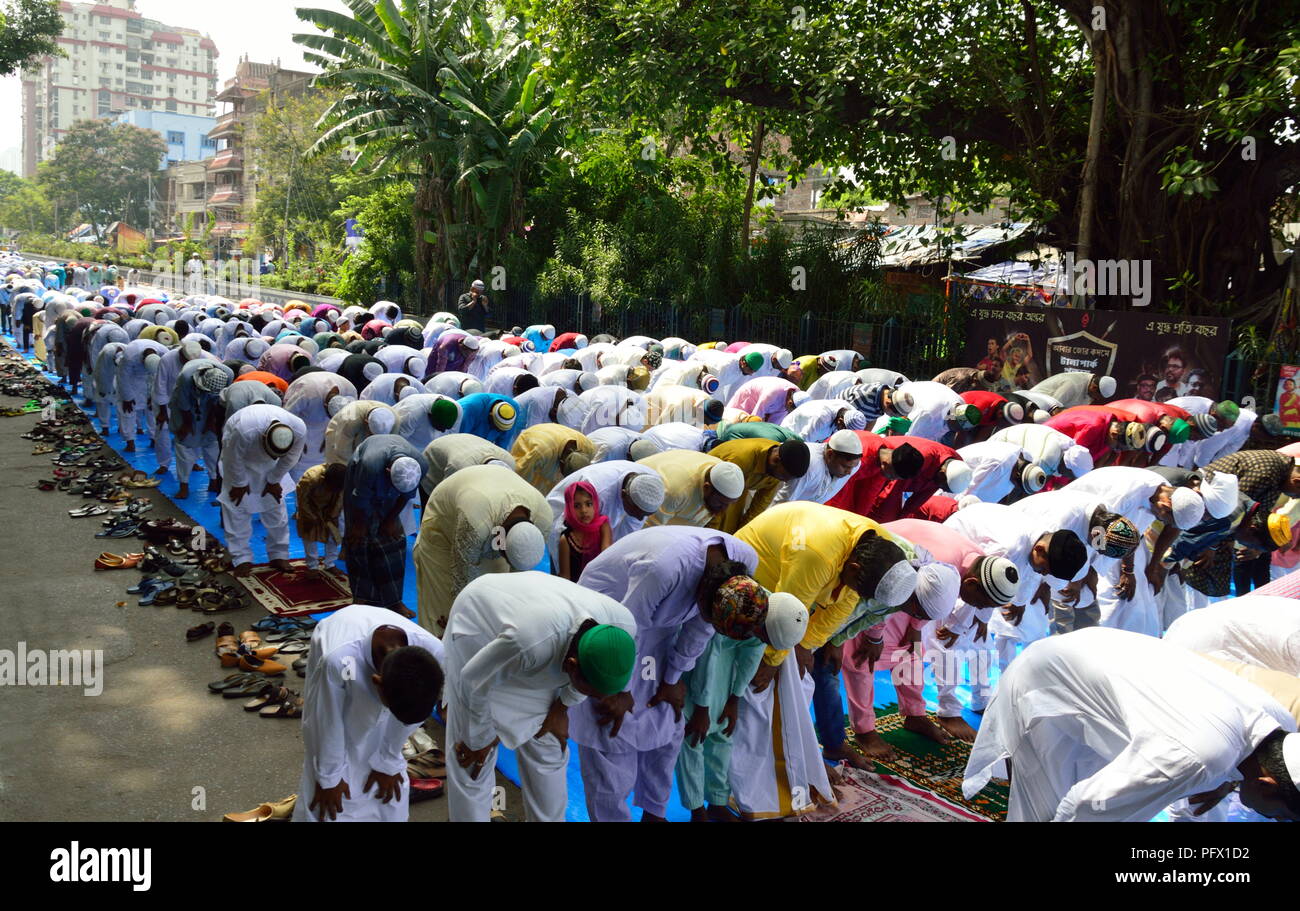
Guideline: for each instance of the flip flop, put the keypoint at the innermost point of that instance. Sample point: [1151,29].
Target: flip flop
[426,789]
[271,694]
[232,680]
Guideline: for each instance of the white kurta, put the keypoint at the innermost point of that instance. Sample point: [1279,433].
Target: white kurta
[347,731]
[612,443]
[830,385]
[506,641]
[413,422]
[932,403]
[991,464]
[816,485]
[305,399]
[245,463]
[678,435]
[1261,630]
[814,420]
[1107,725]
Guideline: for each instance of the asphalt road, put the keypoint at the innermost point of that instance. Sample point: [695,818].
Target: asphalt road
[154,745]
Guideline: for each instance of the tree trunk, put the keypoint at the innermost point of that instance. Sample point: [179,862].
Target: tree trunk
[1096,127]
[754,155]
[422,224]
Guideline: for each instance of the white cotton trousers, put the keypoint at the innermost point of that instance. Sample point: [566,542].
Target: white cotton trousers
[239,533]
[542,773]
[608,779]
[314,558]
[187,457]
[162,440]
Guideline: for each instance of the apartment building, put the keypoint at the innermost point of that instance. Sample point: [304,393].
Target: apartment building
[116,60]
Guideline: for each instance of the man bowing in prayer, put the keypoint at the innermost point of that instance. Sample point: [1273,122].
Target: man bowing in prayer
[372,679]
[522,650]
[1108,725]
[767,465]
[382,475]
[682,585]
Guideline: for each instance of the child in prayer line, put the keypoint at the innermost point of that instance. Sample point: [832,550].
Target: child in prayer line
[320,504]
[586,530]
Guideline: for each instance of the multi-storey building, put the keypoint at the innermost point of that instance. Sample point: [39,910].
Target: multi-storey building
[232,177]
[116,60]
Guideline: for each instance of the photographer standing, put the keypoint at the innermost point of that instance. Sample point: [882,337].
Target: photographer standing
[473,307]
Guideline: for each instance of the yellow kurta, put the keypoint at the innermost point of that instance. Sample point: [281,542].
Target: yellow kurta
[802,548]
[684,473]
[459,534]
[760,487]
[537,453]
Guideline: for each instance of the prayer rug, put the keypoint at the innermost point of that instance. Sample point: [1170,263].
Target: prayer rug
[936,767]
[294,594]
[868,797]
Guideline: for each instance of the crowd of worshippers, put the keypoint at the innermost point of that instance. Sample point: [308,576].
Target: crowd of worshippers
[674,553]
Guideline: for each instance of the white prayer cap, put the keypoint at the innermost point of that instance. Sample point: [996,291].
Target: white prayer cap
[191,349]
[897,585]
[854,419]
[800,397]
[337,403]
[937,587]
[372,370]
[405,474]
[728,479]
[967,500]
[1156,439]
[903,403]
[1290,756]
[478,283]
[279,439]
[1219,491]
[1014,412]
[1106,385]
[307,344]
[786,622]
[1041,416]
[846,442]
[381,420]
[1188,507]
[647,492]
[956,475]
[152,360]
[1206,424]
[587,380]
[548,331]
[784,358]
[640,449]
[580,341]
[999,578]
[470,386]
[1033,478]
[1078,460]
[407,390]
[470,341]
[525,546]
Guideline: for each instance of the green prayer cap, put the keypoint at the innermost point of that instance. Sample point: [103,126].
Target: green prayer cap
[1179,431]
[606,656]
[897,425]
[1229,411]
[443,414]
[753,360]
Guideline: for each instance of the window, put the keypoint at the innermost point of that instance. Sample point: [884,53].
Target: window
[175,137]
[171,106]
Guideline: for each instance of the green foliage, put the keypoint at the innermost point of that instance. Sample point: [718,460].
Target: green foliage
[100,173]
[295,190]
[444,93]
[27,32]
[383,267]
[24,206]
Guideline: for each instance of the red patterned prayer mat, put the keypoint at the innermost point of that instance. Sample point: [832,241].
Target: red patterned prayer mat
[868,797]
[296,593]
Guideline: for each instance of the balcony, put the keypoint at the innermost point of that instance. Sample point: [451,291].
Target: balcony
[227,126]
[226,160]
[226,196]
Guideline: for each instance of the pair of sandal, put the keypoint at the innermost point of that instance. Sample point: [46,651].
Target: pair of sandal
[275,701]
[240,684]
[106,561]
[274,623]
[137,479]
[90,509]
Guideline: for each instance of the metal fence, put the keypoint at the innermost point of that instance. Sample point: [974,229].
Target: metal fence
[916,341]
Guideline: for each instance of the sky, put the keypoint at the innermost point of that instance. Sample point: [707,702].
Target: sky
[262,29]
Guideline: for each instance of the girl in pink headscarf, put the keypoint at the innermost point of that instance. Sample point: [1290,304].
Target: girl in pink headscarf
[586,530]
